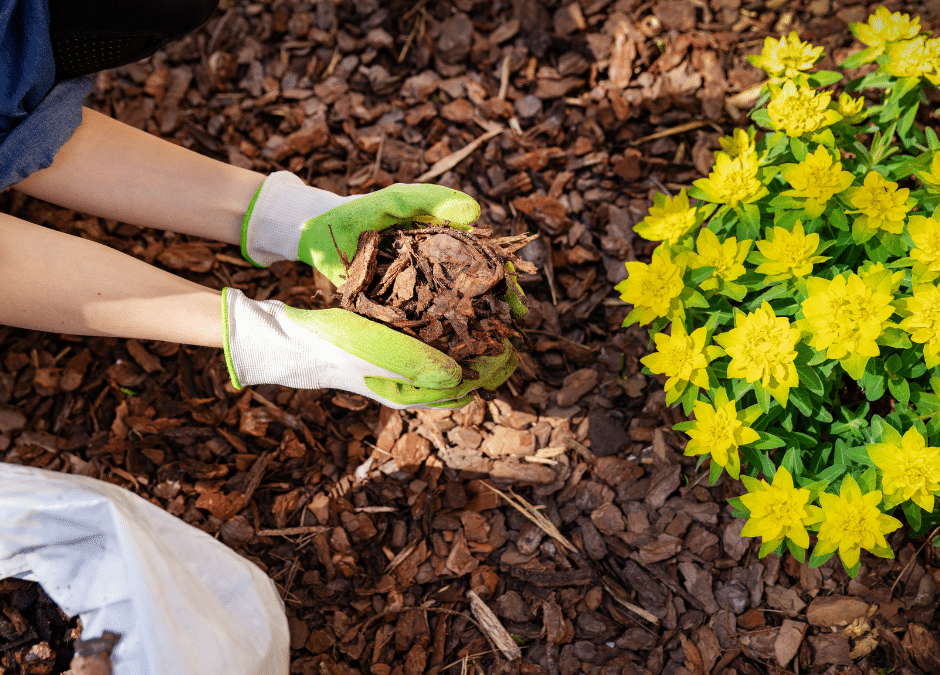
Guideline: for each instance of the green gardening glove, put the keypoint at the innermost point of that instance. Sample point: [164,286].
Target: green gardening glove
[288,220]
[268,342]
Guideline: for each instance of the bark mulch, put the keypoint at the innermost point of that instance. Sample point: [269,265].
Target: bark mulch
[556,529]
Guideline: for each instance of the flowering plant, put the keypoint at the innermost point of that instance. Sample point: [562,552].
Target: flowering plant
[799,282]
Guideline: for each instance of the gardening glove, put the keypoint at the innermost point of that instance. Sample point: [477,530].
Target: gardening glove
[271,343]
[288,220]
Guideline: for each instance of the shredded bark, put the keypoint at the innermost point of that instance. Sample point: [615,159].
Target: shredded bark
[443,286]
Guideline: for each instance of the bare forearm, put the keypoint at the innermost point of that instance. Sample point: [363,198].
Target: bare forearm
[55,282]
[112,170]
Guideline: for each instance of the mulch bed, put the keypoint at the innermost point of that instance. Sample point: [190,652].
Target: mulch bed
[564,505]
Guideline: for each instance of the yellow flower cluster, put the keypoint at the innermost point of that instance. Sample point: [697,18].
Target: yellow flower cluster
[768,210]
[799,110]
[847,522]
[787,57]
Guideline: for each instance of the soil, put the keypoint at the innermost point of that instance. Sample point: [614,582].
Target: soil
[562,513]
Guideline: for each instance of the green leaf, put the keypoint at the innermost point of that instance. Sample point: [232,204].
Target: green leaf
[873,379]
[732,290]
[900,389]
[810,380]
[867,481]
[785,202]
[837,217]
[905,123]
[859,455]
[749,226]
[858,59]
[893,364]
[832,473]
[801,399]
[700,274]
[912,512]
[798,148]
[823,78]
[884,432]
[796,551]
[689,397]
[763,396]
[762,118]
[853,570]
[739,387]
[693,299]
[932,140]
[895,337]
[767,547]
[776,145]
[714,472]
[819,560]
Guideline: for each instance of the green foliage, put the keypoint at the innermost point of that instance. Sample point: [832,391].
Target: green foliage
[843,349]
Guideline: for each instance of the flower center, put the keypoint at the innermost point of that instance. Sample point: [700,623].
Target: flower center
[782,508]
[822,182]
[739,182]
[655,288]
[929,245]
[792,252]
[674,225]
[880,201]
[801,110]
[679,357]
[855,526]
[719,432]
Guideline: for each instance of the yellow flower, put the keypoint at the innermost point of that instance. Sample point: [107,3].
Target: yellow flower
[876,275]
[732,180]
[909,472]
[850,522]
[653,289]
[791,254]
[921,314]
[683,358]
[852,109]
[718,432]
[932,47]
[847,316]
[738,144]
[727,257]
[816,180]
[799,110]
[909,58]
[931,178]
[762,346]
[787,57]
[882,205]
[925,233]
[669,219]
[778,510]
[884,27]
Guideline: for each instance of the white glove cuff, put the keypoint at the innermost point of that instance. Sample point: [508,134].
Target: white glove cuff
[259,349]
[263,346]
[272,227]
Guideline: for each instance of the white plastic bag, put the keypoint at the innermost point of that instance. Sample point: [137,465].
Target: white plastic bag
[183,603]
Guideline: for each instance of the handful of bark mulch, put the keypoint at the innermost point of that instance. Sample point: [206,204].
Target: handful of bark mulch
[36,637]
[443,286]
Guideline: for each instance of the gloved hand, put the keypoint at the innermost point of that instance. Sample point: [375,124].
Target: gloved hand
[288,220]
[271,343]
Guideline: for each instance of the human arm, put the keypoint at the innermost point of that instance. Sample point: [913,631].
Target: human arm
[57,282]
[60,283]
[112,170]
